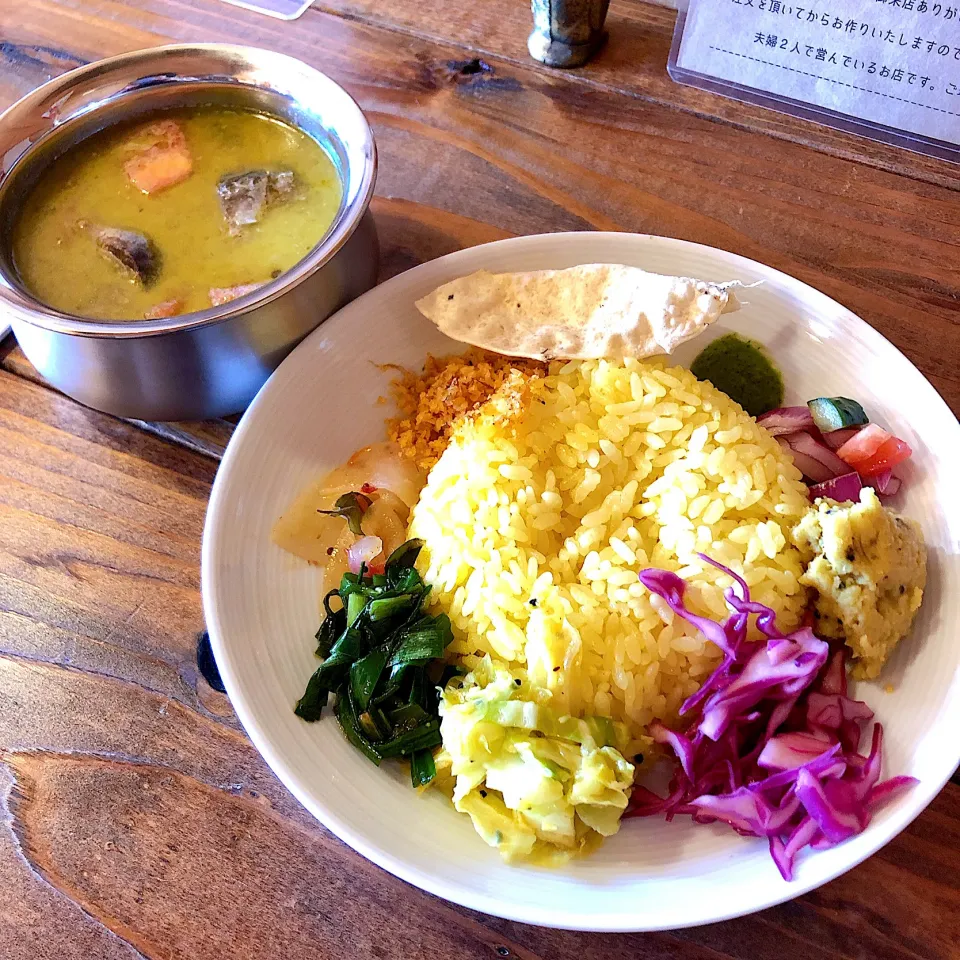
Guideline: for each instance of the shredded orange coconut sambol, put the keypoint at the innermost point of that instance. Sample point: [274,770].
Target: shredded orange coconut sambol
[432,403]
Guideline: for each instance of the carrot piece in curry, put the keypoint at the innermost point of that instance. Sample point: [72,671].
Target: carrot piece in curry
[161,157]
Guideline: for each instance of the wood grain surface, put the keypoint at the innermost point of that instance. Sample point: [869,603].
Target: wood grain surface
[138,820]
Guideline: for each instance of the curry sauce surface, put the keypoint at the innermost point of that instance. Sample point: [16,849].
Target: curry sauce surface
[59,261]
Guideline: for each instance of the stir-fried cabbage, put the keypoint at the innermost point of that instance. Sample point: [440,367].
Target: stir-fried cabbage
[530,779]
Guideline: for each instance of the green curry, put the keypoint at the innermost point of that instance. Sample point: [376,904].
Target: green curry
[173,213]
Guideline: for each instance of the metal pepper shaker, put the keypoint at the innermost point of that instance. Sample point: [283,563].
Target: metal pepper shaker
[567,33]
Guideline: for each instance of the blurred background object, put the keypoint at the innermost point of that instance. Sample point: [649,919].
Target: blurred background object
[567,33]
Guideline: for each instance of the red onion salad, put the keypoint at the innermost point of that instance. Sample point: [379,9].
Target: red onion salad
[817,455]
[773,746]
[814,459]
[845,487]
[363,552]
[787,420]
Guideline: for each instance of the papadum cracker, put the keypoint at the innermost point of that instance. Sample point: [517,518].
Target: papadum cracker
[586,312]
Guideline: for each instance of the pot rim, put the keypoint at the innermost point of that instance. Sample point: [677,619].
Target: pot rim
[44,108]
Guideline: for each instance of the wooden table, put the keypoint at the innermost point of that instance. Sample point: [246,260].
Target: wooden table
[139,821]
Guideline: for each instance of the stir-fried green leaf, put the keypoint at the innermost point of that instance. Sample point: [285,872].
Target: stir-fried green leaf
[425,640]
[350,583]
[391,606]
[350,724]
[404,557]
[419,688]
[310,705]
[409,716]
[351,507]
[422,768]
[390,683]
[364,675]
[347,648]
[375,725]
[336,668]
[333,625]
[406,581]
[425,736]
[381,652]
[355,604]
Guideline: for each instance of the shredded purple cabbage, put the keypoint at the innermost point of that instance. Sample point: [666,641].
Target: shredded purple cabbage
[773,744]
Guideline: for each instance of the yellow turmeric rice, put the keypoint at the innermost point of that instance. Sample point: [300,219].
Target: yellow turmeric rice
[534,534]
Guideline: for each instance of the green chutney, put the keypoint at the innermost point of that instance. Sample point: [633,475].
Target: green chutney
[740,368]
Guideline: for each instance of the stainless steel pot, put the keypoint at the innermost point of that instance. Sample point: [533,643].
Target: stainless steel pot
[213,362]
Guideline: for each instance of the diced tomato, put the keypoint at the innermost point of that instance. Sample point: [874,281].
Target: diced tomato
[162,157]
[873,450]
[891,452]
[863,445]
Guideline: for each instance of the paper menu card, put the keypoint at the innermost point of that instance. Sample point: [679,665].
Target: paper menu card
[887,68]
[281,9]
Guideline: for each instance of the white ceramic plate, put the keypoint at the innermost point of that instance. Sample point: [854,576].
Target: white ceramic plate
[262,605]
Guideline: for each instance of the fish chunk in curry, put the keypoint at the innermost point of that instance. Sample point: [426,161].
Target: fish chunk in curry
[244,196]
[132,252]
